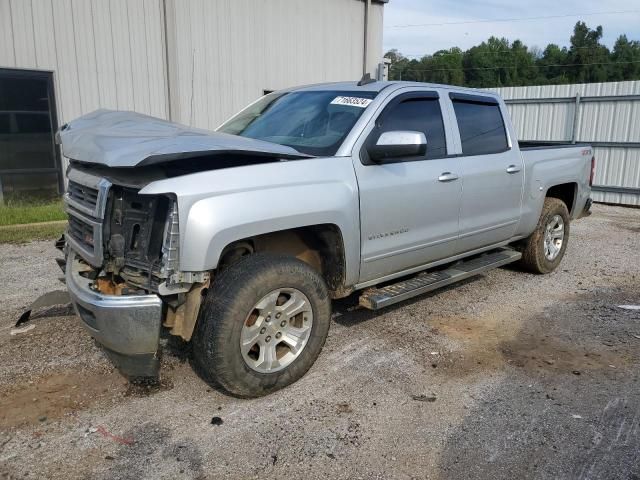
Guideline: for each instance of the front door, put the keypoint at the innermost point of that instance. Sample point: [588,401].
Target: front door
[492,174]
[409,208]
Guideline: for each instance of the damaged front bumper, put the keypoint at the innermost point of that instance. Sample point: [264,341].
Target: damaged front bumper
[127,326]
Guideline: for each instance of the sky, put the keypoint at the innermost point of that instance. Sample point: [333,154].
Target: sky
[420,40]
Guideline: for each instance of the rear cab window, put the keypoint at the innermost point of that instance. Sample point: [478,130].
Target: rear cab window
[480,123]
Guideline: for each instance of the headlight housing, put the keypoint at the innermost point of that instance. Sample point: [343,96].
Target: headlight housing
[171,244]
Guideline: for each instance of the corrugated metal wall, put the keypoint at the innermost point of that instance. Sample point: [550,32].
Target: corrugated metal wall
[605,121]
[376,32]
[223,54]
[104,53]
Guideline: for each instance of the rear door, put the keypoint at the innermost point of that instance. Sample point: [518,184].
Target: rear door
[408,217]
[492,173]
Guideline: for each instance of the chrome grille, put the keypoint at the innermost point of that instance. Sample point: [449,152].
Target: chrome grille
[85,203]
[83,194]
[81,231]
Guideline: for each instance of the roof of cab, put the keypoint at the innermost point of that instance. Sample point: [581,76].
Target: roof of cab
[378,86]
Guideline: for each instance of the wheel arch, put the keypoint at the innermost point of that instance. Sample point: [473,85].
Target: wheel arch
[566,192]
[321,246]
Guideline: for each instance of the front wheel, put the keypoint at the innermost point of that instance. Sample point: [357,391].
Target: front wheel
[544,248]
[263,324]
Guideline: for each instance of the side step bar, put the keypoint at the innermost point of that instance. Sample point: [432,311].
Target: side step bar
[377,298]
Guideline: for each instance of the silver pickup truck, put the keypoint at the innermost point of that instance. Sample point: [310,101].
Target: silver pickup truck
[237,240]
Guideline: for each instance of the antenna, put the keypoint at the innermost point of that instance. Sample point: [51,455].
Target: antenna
[366,80]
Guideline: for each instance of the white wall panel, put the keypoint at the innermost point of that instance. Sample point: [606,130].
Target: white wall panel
[222,53]
[105,57]
[44,39]
[103,53]
[23,33]
[66,73]
[122,54]
[376,25]
[85,55]
[140,78]
[226,52]
[156,61]
[7,56]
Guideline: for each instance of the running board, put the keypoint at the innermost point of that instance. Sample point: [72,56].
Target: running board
[377,298]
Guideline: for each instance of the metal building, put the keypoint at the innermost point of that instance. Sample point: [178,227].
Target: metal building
[606,115]
[190,61]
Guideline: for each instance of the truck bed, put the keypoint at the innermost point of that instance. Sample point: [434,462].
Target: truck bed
[543,144]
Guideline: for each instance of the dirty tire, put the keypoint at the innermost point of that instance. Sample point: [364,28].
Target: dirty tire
[533,251]
[233,295]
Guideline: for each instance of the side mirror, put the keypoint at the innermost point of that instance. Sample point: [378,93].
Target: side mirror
[396,144]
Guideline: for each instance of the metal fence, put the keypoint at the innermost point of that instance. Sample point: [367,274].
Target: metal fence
[605,115]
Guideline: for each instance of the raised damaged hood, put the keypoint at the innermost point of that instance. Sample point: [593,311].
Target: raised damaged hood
[129,139]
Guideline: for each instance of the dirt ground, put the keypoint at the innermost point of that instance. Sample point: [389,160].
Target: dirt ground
[509,375]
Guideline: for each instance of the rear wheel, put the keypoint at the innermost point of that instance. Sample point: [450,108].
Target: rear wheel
[264,323]
[545,247]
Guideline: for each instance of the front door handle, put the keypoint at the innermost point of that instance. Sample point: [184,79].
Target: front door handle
[447,177]
[513,169]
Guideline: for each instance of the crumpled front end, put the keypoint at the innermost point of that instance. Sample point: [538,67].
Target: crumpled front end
[127,326]
[122,269]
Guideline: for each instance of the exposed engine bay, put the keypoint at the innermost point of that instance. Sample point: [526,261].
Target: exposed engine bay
[135,235]
[129,242]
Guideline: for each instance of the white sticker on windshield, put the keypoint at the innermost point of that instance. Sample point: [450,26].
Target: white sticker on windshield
[352,101]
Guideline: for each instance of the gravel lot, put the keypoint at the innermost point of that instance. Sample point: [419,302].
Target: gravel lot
[510,375]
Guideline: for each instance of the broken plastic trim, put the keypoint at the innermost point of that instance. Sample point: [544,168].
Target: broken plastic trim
[49,299]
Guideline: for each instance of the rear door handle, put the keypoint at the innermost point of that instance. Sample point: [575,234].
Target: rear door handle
[447,177]
[513,169]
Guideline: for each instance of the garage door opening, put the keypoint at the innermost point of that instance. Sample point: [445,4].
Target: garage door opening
[29,158]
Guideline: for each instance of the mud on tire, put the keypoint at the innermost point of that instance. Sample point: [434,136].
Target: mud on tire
[227,312]
[535,258]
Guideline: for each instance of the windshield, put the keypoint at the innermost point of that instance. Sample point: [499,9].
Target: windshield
[312,122]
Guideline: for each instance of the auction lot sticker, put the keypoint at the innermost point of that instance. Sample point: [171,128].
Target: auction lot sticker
[352,101]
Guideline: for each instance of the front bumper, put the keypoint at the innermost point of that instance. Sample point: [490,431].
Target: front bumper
[127,326]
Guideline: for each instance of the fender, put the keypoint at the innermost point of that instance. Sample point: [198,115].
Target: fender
[216,208]
[546,169]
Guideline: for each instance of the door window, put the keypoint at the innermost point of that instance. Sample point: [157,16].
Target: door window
[481,127]
[418,114]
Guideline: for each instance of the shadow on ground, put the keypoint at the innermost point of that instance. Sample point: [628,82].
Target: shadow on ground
[568,405]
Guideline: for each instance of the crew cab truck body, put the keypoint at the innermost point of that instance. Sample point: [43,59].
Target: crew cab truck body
[237,240]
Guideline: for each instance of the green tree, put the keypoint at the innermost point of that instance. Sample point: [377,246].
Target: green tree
[524,65]
[487,64]
[588,58]
[626,56]
[398,64]
[497,62]
[445,66]
[553,65]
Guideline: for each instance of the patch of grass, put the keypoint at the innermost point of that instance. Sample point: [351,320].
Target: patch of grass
[33,231]
[16,212]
